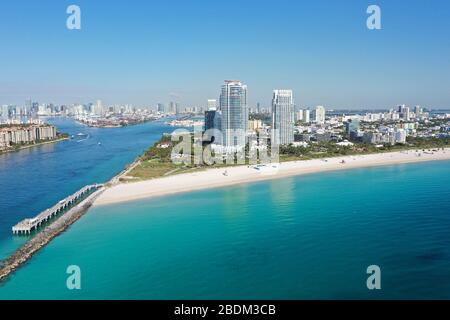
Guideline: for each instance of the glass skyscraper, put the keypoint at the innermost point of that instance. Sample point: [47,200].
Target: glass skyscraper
[283,116]
[233,104]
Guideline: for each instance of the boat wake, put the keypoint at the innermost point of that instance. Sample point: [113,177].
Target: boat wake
[80,137]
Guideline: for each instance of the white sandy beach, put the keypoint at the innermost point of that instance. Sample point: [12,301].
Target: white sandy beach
[213,178]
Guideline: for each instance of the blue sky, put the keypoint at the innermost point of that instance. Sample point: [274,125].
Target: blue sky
[144,52]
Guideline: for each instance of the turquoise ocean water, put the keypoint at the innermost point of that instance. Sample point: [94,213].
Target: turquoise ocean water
[34,179]
[303,237]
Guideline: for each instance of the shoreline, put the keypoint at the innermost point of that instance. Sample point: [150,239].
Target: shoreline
[33,145]
[116,179]
[215,178]
[113,126]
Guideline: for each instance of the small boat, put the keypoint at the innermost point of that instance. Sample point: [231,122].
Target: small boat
[80,137]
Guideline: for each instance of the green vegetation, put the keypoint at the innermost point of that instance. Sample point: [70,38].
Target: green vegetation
[318,150]
[62,136]
[427,143]
[149,169]
[330,149]
[156,161]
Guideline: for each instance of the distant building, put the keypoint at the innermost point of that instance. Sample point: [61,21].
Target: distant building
[404,112]
[34,109]
[5,112]
[283,116]
[417,110]
[352,127]
[298,115]
[212,104]
[255,125]
[210,116]
[28,106]
[306,116]
[96,109]
[161,108]
[319,115]
[173,107]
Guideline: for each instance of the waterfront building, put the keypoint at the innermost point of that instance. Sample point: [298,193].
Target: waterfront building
[385,135]
[283,116]
[234,108]
[25,134]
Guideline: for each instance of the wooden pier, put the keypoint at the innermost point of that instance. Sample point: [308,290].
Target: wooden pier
[26,226]
[59,224]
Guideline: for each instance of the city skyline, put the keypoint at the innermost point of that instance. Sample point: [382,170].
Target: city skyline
[299,112]
[150,53]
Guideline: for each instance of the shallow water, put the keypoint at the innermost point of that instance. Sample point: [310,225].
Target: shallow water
[311,236]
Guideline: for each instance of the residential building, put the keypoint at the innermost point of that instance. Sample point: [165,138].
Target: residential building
[283,116]
[234,108]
